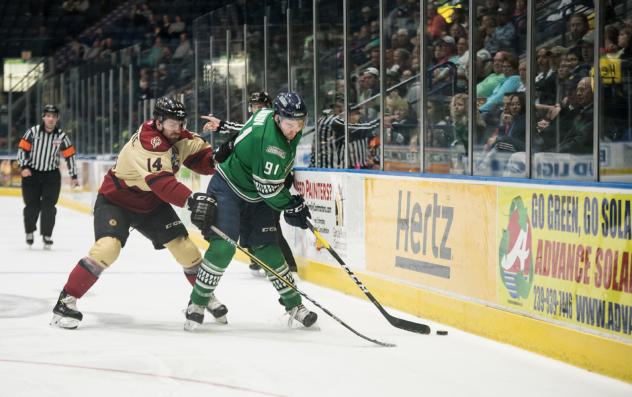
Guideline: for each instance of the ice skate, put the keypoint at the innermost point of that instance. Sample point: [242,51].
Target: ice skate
[256,270]
[65,313]
[29,239]
[48,242]
[302,315]
[194,316]
[218,310]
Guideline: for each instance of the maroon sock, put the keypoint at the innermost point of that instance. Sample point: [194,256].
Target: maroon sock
[190,278]
[191,273]
[80,280]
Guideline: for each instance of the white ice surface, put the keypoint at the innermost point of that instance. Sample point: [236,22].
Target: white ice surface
[131,341]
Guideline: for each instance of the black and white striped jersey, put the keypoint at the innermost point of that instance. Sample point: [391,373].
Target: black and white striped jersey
[229,127]
[330,136]
[39,150]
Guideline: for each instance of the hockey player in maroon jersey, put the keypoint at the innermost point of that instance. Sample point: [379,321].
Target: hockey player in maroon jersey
[137,193]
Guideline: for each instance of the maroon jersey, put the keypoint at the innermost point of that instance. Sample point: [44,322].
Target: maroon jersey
[144,174]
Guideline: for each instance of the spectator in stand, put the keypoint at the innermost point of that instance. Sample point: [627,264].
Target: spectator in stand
[566,82]
[510,84]
[546,78]
[486,28]
[624,42]
[369,84]
[577,28]
[374,58]
[401,60]
[457,31]
[486,87]
[157,53]
[177,27]
[557,53]
[575,63]
[458,117]
[444,53]
[519,17]
[508,140]
[437,131]
[503,36]
[460,139]
[503,121]
[610,40]
[437,25]
[575,123]
[587,44]
[184,48]
[143,89]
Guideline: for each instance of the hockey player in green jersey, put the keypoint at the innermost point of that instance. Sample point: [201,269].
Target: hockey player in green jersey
[250,193]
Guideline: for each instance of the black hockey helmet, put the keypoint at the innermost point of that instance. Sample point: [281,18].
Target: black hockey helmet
[50,109]
[260,97]
[290,105]
[169,108]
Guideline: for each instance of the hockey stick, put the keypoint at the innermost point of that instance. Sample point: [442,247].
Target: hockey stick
[396,322]
[289,284]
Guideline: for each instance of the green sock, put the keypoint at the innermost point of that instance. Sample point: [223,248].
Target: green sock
[272,256]
[216,260]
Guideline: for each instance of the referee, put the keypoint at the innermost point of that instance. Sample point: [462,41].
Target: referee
[38,155]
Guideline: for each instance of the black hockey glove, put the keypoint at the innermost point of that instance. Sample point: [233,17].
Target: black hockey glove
[296,215]
[289,180]
[202,207]
[225,149]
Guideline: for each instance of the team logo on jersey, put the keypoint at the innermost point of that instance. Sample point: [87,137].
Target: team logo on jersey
[276,151]
[515,261]
[155,142]
[113,222]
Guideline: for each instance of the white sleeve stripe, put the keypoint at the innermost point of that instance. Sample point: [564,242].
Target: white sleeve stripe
[244,134]
[268,181]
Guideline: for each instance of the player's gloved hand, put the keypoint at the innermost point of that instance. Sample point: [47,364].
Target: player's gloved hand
[203,208]
[224,150]
[296,215]
[289,180]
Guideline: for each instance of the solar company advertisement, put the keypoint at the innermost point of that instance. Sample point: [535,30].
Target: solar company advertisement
[567,256]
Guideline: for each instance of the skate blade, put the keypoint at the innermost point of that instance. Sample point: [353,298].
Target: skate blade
[190,325]
[221,320]
[64,322]
[48,247]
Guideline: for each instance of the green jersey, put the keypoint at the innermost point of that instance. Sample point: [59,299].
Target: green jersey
[262,159]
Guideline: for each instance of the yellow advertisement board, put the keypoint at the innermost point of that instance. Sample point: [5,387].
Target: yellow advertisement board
[566,255]
[433,233]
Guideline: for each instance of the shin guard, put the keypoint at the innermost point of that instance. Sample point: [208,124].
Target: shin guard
[215,262]
[272,256]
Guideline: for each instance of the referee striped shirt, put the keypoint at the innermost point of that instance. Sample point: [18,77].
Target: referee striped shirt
[39,150]
[330,137]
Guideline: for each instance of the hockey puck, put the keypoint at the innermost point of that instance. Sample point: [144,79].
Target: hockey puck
[441,332]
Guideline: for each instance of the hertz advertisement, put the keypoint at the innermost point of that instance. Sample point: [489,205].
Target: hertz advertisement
[436,234]
[567,256]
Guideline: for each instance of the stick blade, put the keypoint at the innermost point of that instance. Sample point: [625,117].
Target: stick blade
[409,325]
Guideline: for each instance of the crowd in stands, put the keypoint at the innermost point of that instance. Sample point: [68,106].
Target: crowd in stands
[163,44]
[563,96]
